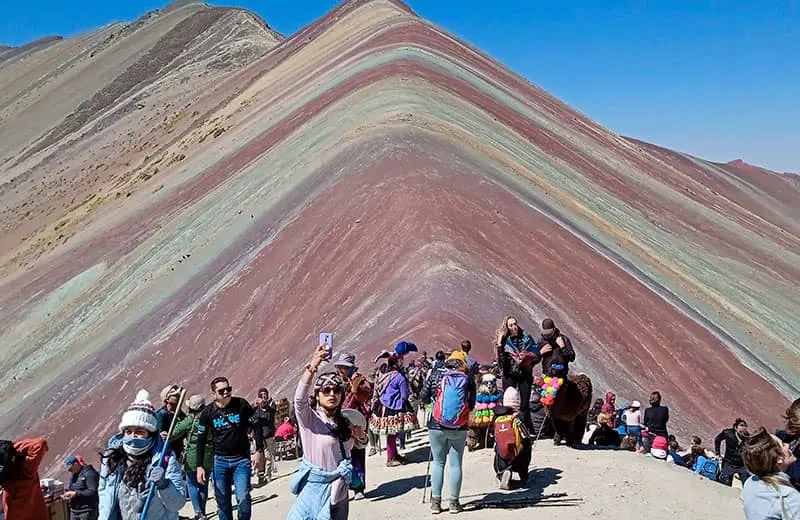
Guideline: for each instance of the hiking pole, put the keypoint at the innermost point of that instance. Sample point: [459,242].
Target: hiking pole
[430,457]
[163,454]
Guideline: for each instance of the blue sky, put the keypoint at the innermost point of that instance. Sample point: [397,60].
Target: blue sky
[720,80]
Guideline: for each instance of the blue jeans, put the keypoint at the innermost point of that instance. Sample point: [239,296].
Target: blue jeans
[636,431]
[232,471]
[197,494]
[446,444]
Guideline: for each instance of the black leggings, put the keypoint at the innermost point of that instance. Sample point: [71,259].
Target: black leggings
[523,385]
[340,511]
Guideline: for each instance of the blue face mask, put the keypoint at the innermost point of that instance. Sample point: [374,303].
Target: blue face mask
[135,446]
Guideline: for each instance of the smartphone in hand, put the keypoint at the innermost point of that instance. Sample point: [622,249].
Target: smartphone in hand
[326,338]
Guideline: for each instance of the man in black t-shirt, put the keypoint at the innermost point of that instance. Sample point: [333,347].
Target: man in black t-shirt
[227,419]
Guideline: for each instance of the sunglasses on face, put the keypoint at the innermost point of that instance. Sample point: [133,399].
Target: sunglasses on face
[224,390]
[328,390]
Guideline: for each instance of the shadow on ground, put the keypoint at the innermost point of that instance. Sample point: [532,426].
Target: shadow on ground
[396,488]
[531,495]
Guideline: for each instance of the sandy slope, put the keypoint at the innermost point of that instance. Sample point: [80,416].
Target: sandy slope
[595,484]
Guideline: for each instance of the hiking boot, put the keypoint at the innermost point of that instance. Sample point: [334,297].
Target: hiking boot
[359,496]
[436,505]
[373,451]
[200,516]
[402,460]
[262,479]
[505,480]
[455,506]
[393,463]
[556,440]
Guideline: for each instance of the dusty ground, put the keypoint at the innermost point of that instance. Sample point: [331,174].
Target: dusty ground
[572,484]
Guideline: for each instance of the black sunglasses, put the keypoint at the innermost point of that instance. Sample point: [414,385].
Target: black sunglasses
[335,390]
[224,390]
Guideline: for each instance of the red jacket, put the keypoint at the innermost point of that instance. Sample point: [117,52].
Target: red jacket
[22,496]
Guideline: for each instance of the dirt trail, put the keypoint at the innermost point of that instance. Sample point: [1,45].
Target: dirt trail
[573,485]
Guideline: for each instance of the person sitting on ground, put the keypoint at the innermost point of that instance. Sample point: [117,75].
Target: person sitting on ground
[132,465]
[673,457]
[655,421]
[591,419]
[555,349]
[286,431]
[512,442]
[605,435]
[19,479]
[517,354]
[321,484]
[791,436]
[768,494]
[81,489]
[658,448]
[732,463]
[186,431]
[628,443]
[453,393]
[610,408]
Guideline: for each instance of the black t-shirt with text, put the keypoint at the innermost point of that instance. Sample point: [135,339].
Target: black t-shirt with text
[228,428]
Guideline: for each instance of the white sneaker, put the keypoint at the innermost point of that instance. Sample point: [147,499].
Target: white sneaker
[505,480]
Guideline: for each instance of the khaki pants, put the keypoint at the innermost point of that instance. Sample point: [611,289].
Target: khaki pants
[265,464]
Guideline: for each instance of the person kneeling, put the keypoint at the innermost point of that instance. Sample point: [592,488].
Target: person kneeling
[512,442]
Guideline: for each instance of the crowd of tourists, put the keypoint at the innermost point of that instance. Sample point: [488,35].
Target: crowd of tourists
[161,457]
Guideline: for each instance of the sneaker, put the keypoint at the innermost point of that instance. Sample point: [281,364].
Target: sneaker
[359,496]
[455,506]
[436,505]
[262,479]
[373,451]
[505,480]
[200,516]
[393,463]
[402,460]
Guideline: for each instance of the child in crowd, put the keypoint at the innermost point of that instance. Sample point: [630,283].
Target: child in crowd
[512,442]
[605,436]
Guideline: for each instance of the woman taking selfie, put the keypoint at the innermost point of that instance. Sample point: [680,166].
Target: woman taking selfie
[321,483]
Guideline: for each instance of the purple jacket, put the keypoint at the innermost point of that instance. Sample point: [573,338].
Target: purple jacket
[396,393]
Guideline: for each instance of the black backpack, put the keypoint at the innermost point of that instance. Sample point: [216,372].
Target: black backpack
[8,458]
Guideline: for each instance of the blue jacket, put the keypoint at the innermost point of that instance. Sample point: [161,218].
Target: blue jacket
[312,485]
[165,503]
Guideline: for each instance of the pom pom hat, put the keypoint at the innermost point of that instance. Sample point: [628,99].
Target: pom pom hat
[140,414]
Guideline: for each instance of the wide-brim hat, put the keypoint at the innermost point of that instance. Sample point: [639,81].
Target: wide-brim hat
[354,417]
[345,360]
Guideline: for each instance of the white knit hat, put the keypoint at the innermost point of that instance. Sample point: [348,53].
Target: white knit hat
[511,397]
[140,414]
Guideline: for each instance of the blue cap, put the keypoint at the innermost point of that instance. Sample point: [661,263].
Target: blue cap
[73,459]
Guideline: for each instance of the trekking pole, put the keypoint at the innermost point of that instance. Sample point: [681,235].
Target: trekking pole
[430,458]
[163,454]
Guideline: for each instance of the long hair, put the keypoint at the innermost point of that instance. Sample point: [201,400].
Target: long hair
[502,330]
[761,453]
[793,419]
[135,468]
[342,429]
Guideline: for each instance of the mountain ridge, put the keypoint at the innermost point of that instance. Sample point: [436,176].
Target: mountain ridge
[376,175]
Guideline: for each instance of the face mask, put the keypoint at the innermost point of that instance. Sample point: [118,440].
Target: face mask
[136,447]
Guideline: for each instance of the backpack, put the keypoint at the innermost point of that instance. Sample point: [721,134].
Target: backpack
[8,456]
[507,436]
[708,468]
[450,409]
